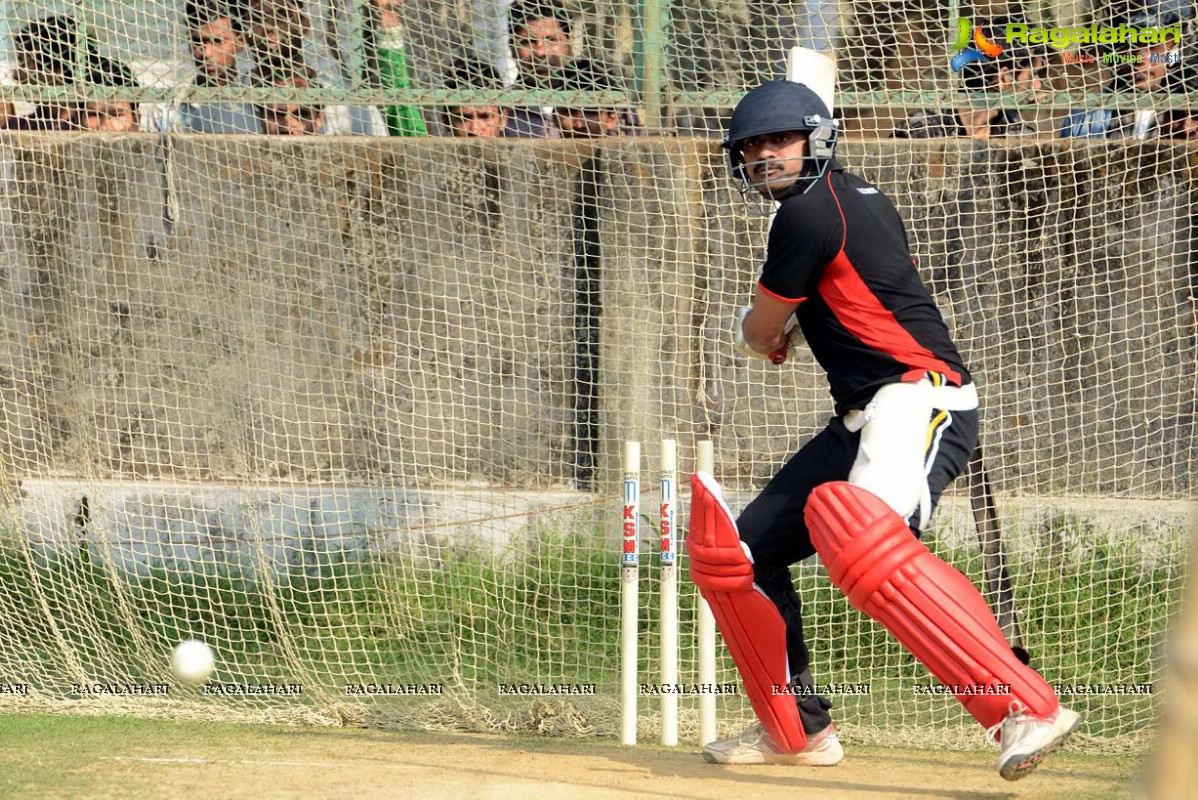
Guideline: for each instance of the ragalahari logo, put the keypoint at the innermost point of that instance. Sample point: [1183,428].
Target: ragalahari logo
[982,49]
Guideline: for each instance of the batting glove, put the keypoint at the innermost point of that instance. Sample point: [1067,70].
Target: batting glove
[792,332]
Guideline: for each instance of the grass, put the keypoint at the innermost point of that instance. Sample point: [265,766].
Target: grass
[544,611]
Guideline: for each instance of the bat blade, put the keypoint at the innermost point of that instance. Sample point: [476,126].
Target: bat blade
[815,70]
[999,589]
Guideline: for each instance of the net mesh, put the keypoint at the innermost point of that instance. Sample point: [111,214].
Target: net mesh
[350,408]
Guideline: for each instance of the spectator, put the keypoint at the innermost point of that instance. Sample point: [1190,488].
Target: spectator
[584,122]
[541,41]
[110,115]
[1179,123]
[1020,69]
[46,52]
[278,31]
[475,121]
[543,46]
[45,56]
[220,59]
[391,70]
[292,118]
[1155,67]
[216,42]
[491,36]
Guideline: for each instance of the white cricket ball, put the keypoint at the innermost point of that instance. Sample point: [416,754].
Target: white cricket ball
[192,662]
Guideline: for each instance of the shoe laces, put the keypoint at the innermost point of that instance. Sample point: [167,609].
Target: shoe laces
[1015,709]
[754,734]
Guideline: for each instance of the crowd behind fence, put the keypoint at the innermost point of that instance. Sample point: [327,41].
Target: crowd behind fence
[581,68]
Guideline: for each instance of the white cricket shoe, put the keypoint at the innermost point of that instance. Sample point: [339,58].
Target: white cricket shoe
[1027,740]
[755,746]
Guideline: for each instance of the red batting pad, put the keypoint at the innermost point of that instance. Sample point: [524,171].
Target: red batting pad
[749,621]
[934,610]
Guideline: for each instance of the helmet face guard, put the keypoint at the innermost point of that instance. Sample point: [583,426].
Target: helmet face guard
[822,134]
[779,107]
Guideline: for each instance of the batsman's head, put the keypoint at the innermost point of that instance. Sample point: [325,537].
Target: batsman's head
[780,139]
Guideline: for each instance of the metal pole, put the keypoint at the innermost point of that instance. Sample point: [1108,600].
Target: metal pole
[651,39]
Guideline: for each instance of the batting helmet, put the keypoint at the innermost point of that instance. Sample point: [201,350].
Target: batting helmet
[776,107]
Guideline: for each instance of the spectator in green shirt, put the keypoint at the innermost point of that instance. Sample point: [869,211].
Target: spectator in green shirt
[390,66]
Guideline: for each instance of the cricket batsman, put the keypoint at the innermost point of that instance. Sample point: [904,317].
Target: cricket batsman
[838,274]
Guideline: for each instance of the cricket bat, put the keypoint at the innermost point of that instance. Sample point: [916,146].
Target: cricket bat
[815,70]
[994,560]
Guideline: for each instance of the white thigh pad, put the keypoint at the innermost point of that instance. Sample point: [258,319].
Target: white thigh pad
[890,457]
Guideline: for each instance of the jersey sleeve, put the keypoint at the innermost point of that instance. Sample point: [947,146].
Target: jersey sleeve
[803,238]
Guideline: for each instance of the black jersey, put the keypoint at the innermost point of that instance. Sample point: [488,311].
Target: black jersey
[840,250]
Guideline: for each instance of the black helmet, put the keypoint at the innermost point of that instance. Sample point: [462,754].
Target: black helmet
[776,107]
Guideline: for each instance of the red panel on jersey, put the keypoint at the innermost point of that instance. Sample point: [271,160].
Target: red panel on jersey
[863,315]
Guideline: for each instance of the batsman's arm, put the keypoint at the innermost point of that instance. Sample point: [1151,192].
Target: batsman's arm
[768,325]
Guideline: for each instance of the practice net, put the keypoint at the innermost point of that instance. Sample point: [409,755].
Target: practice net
[349,407]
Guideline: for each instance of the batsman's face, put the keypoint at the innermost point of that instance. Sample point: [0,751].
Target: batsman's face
[773,161]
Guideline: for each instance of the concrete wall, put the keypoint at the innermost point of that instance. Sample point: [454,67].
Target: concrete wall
[402,313]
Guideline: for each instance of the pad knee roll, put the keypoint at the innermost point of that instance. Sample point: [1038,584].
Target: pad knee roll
[930,607]
[722,567]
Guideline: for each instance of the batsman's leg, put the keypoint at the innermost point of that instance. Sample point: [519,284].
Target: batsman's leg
[940,617]
[775,530]
[911,447]
[776,583]
[722,567]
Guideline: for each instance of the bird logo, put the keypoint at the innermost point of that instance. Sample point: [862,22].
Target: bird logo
[982,49]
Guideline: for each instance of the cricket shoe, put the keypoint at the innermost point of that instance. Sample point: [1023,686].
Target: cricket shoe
[755,746]
[1028,740]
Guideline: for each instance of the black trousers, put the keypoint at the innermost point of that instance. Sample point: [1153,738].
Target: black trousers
[773,527]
